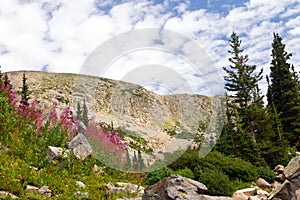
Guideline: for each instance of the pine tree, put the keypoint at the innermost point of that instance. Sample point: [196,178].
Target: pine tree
[141,164]
[78,112]
[135,161]
[24,92]
[283,91]
[128,161]
[1,76]
[85,117]
[242,83]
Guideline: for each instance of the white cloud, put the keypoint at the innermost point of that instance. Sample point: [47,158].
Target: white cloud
[62,33]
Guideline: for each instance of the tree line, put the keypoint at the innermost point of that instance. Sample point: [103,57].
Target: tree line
[265,135]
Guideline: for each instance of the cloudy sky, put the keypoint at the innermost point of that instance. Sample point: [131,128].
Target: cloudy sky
[61,35]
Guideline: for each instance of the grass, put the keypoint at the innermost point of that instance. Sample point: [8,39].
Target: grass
[27,147]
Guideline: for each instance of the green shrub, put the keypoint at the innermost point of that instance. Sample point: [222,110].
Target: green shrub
[266,174]
[235,168]
[154,176]
[186,172]
[217,182]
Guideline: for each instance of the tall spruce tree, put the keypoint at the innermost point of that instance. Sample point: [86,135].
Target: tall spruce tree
[241,83]
[245,111]
[85,117]
[283,91]
[24,92]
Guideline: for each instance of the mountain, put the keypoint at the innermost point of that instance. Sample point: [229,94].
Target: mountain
[167,123]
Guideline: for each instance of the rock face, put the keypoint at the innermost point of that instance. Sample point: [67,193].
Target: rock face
[174,187]
[292,183]
[127,105]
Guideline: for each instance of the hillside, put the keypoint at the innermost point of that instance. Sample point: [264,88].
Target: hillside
[167,123]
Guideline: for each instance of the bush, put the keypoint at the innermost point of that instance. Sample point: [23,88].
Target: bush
[186,172]
[154,176]
[266,174]
[235,168]
[217,182]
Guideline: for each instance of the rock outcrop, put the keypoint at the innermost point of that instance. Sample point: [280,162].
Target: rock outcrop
[289,188]
[179,188]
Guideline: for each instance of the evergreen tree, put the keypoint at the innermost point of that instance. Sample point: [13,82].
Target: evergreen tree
[141,164]
[85,117]
[283,91]
[128,161]
[242,83]
[134,161]
[1,76]
[24,92]
[78,112]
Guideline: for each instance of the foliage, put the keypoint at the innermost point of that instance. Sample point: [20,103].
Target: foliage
[266,174]
[186,172]
[154,176]
[27,133]
[283,91]
[217,182]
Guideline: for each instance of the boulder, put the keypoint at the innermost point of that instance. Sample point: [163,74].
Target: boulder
[31,188]
[82,194]
[80,184]
[262,183]
[95,168]
[279,169]
[286,191]
[53,153]
[262,195]
[293,168]
[7,194]
[206,197]
[174,187]
[125,187]
[45,191]
[80,146]
[254,198]
[297,194]
[81,127]
[243,194]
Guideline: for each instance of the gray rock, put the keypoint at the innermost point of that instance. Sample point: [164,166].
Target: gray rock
[81,127]
[32,188]
[254,198]
[262,183]
[279,169]
[174,187]
[80,184]
[45,191]
[7,194]
[243,193]
[95,168]
[123,198]
[125,187]
[3,148]
[80,146]
[286,191]
[293,168]
[206,197]
[82,194]
[53,153]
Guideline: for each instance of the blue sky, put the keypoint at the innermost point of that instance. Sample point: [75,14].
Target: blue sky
[59,35]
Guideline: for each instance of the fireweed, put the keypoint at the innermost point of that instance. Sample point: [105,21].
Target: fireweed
[107,144]
[36,115]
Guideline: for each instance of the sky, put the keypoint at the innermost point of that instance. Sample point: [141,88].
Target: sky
[61,36]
